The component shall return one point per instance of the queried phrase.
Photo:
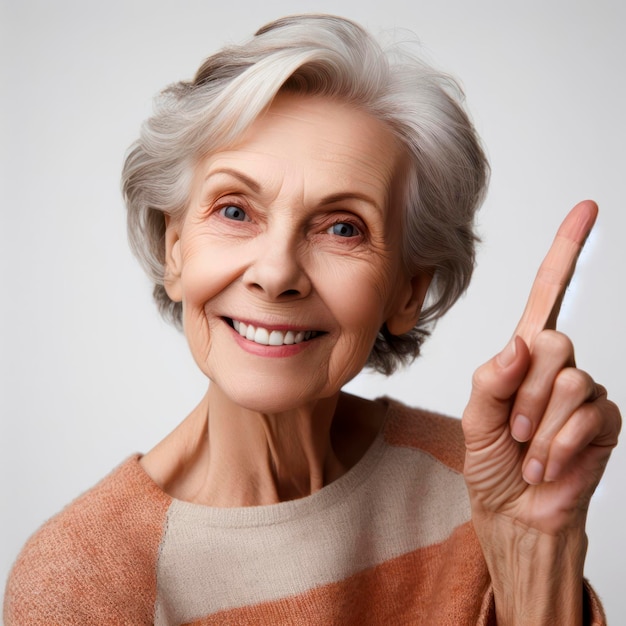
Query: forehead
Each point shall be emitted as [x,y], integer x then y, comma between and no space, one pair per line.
[317,142]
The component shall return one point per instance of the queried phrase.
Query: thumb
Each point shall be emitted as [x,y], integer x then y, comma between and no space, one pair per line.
[494,386]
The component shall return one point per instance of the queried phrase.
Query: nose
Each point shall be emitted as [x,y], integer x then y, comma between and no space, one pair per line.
[276,271]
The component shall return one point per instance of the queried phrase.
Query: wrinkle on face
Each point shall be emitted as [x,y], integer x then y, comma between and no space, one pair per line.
[307,164]
[337,164]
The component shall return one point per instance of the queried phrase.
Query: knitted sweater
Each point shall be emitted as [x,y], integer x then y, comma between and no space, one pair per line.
[390,543]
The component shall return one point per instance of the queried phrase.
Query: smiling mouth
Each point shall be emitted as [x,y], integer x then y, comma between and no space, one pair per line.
[266,337]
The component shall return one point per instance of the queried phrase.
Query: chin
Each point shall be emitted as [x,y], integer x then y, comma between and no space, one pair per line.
[272,396]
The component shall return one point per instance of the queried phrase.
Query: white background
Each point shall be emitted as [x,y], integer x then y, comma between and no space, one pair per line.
[90,374]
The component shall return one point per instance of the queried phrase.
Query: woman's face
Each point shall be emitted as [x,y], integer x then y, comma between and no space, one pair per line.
[287,260]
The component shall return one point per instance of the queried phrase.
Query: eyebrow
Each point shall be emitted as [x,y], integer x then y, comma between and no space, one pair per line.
[351,195]
[331,199]
[246,180]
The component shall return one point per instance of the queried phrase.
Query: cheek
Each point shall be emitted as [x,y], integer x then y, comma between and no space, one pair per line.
[357,293]
[359,313]
[207,270]
[360,310]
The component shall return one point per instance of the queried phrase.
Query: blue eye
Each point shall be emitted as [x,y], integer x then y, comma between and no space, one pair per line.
[343,229]
[232,212]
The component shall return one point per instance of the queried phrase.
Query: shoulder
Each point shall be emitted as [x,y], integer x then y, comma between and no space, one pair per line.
[80,566]
[439,435]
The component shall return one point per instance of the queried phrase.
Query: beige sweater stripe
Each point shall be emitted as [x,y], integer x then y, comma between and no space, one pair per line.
[389,505]
[445,596]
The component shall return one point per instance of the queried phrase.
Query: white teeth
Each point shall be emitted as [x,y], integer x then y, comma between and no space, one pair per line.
[272,338]
[276,338]
[262,336]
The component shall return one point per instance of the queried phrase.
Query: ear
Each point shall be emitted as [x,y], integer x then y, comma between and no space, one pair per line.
[409,304]
[173,260]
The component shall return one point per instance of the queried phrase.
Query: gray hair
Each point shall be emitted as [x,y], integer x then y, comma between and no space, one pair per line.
[445,179]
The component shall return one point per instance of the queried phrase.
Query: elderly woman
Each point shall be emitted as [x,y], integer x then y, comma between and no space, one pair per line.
[305,208]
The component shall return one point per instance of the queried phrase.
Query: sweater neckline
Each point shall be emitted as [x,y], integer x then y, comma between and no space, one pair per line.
[336,492]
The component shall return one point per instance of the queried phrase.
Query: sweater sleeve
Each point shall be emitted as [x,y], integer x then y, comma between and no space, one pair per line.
[594,613]
[95,562]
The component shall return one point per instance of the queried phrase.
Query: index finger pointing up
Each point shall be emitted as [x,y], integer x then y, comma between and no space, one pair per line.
[555,272]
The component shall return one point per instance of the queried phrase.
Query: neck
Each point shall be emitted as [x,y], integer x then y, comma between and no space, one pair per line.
[262,458]
[226,455]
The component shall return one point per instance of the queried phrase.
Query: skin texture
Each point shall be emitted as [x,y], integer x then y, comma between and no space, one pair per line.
[294,228]
[539,433]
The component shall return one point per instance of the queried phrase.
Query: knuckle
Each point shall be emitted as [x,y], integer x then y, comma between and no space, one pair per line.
[600,392]
[617,413]
[611,413]
[554,342]
[572,382]
[563,446]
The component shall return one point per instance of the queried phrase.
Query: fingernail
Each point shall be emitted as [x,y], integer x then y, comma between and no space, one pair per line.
[521,429]
[533,472]
[507,356]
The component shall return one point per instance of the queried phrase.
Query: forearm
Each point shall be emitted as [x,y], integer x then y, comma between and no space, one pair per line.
[536,578]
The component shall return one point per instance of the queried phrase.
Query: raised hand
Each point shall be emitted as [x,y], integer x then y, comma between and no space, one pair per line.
[538,434]
[538,430]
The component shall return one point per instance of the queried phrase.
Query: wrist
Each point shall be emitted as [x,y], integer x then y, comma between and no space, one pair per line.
[537,578]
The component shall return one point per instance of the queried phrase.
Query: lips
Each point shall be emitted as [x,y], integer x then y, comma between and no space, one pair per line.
[272,337]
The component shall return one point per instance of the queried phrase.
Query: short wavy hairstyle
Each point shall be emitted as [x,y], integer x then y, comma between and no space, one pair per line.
[445,180]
